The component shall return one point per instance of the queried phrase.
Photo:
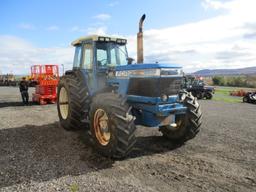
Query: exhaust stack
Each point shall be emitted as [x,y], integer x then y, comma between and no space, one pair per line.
[140,56]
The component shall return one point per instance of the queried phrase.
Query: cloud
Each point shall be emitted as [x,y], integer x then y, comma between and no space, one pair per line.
[214,4]
[102,16]
[93,30]
[114,3]
[78,29]
[207,38]
[75,29]
[223,41]
[52,28]
[26,26]
[17,55]
[97,30]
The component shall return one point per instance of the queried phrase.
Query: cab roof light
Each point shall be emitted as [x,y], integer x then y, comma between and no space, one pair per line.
[101,39]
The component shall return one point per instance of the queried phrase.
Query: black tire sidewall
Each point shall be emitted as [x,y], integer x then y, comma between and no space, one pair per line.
[184,133]
[199,95]
[208,95]
[64,122]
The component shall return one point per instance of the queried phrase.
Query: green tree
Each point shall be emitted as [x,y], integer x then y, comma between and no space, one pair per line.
[218,80]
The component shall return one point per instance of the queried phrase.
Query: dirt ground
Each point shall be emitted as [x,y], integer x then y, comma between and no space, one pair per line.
[37,155]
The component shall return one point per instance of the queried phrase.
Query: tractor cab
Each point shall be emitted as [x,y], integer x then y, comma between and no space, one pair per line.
[99,53]
[97,57]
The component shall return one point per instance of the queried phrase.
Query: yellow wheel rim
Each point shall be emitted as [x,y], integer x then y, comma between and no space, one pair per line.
[63,103]
[100,123]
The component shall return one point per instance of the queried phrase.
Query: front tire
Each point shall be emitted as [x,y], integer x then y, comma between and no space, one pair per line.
[111,125]
[188,125]
[199,95]
[208,95]
[245,99]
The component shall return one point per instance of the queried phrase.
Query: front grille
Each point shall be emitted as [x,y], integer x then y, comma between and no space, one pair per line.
[154,87]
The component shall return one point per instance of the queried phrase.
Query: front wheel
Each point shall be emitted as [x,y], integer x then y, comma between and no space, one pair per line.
[111,125]
[187,125]
[245,99]
[199,95]
[208,95]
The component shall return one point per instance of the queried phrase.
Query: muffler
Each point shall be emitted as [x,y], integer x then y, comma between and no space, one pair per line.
[140,57]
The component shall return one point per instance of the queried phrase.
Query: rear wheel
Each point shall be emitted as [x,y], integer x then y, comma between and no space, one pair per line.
[71,103]
[111,125]
[187,125]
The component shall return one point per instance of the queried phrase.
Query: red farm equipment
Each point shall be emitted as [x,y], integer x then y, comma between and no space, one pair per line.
[47,78]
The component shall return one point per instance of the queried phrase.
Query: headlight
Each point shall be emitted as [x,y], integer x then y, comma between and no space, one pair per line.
[101,38]
[149,72]
[135,73]
[167,72]
[164,97]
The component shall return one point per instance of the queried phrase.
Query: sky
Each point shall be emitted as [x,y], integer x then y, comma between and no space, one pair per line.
[197,34]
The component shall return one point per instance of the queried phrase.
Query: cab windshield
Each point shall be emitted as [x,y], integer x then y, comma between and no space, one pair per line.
[110,54]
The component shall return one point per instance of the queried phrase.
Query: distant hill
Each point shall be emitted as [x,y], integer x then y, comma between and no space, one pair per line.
[213,72]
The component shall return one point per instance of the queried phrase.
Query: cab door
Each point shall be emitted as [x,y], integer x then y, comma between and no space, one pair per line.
[86,66]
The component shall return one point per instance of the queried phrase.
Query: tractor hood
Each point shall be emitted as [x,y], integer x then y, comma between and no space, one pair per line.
[147,66]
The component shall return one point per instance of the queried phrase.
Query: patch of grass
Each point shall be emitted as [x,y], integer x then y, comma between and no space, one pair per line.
[74,187]
[223,94]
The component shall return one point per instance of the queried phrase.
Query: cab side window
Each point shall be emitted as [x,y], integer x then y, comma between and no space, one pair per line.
[102,58]
[87,57]
[77,57]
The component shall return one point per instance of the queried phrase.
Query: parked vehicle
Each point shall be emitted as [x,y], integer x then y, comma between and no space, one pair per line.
[198,88]
[109,94]
[8,80]
[250,97]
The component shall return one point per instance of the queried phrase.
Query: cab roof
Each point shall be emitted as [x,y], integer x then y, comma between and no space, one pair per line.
[98,38]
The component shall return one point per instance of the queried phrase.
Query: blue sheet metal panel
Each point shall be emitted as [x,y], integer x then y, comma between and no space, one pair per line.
[146,66]
[151,100]
[149,119]
[161,110]
[122,84]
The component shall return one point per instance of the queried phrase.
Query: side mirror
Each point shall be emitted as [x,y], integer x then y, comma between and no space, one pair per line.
[130,60]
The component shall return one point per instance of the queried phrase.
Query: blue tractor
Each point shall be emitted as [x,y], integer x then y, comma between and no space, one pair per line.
[107,93]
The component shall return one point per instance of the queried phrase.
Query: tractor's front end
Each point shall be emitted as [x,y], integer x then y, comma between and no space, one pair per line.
[153,90]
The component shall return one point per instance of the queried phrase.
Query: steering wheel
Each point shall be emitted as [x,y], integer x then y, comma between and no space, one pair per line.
[102,62]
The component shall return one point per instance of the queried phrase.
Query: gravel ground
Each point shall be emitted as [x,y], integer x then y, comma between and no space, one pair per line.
[37,155]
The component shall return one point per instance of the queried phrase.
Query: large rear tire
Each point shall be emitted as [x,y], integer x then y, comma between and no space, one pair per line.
[188,125]
[72,103]
[111,125]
